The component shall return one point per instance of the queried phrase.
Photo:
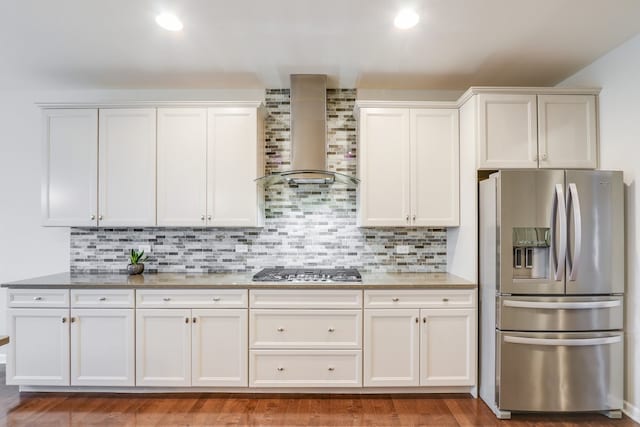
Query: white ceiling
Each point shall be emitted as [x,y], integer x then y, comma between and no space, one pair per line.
[258,43]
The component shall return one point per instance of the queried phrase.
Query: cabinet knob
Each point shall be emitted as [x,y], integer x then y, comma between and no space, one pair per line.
[100,217]
[280,329]
[37,298]
[64,320]
[331,368]
[407,218]
[414,218]
[424,320]
[166,299]
[395,299]
[216,298]
[209,217]
[201,217]
[544,156]
[280,368]
[92,217]
[194,319]
[103,298]
[332,330]
[186,320]
[417,320]
[445,299]
[73,319]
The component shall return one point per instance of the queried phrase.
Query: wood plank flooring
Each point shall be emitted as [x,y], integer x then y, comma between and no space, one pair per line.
[201,409]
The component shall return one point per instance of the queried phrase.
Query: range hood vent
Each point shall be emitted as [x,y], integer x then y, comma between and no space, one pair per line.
[308,136]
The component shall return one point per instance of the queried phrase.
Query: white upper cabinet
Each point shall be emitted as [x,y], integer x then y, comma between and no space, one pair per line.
[408,167]
[507,131]
[529,130]
[384,157]
[127,168]
[234,147]
[182,166]
[70,167]
[567,131]
[435,167]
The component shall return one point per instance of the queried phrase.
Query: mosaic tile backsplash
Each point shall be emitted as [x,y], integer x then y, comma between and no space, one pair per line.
[310,225]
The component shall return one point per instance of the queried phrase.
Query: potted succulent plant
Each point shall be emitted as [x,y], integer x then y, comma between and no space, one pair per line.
[136,262]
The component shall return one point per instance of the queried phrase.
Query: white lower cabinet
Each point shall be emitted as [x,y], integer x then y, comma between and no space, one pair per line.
[425,347]
[38,352]
[184,347]
[102,347]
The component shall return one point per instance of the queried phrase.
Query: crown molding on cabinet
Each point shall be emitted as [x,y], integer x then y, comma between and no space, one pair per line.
[150,104]
[474,90]
[405,104]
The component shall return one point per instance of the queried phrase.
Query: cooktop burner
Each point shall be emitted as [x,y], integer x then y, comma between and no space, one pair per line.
[307,275]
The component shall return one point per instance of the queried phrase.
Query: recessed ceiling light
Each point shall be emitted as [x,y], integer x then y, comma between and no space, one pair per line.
[405,19]
[169,22]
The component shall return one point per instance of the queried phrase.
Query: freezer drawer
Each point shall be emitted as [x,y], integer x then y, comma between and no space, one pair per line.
[559,313]
[559,371]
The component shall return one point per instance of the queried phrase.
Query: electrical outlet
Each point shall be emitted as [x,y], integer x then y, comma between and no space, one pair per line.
[242,248]
[145,248]
[402,249]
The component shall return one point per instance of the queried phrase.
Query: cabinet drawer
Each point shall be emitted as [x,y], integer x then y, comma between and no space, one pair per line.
[54,298]
[306,298]
[305,368]
[305,329]
[206,298]
[102,298]
[420,298]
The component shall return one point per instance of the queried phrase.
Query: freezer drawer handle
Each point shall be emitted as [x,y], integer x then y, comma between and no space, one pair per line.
[558,257]
[562,305]
[563,342]
[574,205]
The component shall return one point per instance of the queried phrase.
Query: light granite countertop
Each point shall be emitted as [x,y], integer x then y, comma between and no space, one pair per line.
[237,280]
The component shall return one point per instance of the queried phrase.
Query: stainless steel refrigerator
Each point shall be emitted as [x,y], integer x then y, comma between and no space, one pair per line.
[551,291]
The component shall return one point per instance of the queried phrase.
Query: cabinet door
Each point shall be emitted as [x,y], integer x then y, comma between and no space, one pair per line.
[391,346]
[70,167]
[127,153]
[434,167]
[182,166]
[384,167]
[219,355]
[163,347]
[447,347]
[38,352]
[567,131]
[507,131]
[232,158]
[102,347]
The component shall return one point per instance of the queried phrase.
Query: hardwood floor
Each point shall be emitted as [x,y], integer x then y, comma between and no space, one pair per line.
[200,409]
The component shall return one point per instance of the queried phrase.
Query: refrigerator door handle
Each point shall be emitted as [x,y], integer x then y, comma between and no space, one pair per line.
[574,205]
[572,342]
[562,305]
[558,209]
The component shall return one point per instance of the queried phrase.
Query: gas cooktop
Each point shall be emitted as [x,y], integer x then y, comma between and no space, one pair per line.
[307,275]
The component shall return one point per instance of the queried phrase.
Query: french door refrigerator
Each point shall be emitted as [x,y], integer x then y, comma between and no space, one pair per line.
[551,291]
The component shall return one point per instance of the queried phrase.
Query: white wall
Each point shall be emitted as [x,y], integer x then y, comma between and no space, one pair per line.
[618,73]
[26,248]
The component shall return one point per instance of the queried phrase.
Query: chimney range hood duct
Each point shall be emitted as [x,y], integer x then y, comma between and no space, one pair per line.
[308,136]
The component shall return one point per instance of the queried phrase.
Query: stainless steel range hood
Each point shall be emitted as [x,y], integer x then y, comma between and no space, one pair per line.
[308,136]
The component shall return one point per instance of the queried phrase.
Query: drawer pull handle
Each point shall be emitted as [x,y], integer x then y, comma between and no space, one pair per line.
[280,329]
[103,298]
[395,299]
[332,330]
[331,368]
[216,298]
[445,299]
[280,368]
[37,298]
[64,320]
[166,299]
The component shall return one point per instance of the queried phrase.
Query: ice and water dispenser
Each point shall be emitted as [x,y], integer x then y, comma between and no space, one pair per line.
[531,252]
